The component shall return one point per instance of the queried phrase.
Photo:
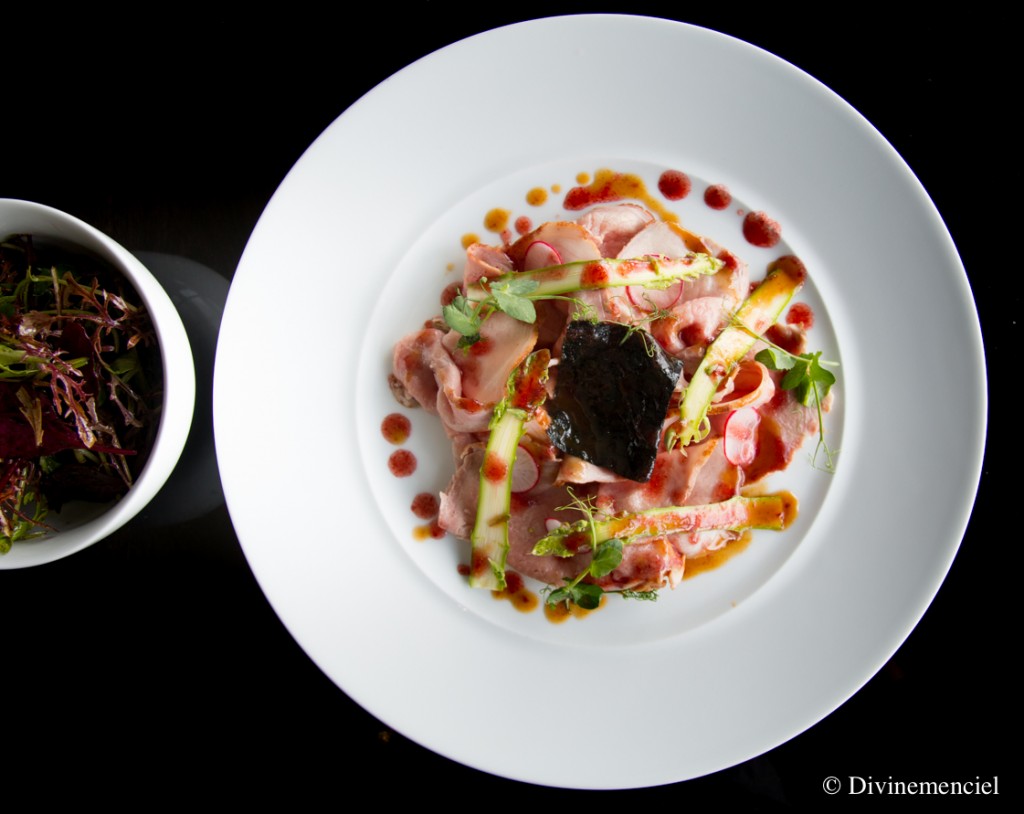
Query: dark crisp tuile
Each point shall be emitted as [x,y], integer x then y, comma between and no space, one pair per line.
[614,386]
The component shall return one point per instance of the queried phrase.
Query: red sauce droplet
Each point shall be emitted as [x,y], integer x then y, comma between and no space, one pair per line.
[529,390]
[396,428]
[436,531]
[523,225]
[402,463]
[481,347]
[717,196]
[760,230]
[496,220]
[594,274]
[494,469]
[463,569]
[425,505]
[674,185]
[801,315]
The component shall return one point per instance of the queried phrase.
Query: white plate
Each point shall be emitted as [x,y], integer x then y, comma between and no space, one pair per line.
[360,233]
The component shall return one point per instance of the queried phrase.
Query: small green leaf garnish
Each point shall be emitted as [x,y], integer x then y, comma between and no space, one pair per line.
[510,296]
[461,316]
[607,556]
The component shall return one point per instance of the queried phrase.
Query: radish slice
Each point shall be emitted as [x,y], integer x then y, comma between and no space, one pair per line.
[540,255]
[741,436]
[525,471]
[654,299]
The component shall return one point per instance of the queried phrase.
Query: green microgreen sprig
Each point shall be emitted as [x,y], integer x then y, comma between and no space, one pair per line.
[606,558]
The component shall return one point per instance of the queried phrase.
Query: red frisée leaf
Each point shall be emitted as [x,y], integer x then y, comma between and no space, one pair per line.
[79,383]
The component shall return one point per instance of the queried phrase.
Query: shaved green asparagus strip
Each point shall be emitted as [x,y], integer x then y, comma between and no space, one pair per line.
[524,395]
[583,275]
[736,514]
[755,316]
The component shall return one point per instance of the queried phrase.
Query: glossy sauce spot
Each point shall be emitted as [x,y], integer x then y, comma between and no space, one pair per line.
[800,315]
[496,220]
[402,463]
[717,196]
[674,185]
[425,505]
[396,428]
[537,196]
[761,231]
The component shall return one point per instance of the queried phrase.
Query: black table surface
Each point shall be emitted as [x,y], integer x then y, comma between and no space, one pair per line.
[152,662]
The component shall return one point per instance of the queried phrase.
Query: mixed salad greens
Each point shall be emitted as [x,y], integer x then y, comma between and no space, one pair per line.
[80,384]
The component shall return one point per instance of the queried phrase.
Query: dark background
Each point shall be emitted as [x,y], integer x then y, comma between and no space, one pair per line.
[152,663]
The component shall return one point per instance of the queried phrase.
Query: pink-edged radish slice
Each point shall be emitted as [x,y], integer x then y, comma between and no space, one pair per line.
[655,299]
[525,471]
[740,436]
[540,255]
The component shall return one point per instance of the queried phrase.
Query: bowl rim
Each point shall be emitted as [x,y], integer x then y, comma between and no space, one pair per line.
[27,217]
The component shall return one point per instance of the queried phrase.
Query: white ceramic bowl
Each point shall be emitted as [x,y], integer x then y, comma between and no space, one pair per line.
[78,526]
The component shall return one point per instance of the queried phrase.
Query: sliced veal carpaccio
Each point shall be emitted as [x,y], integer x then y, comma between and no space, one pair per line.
[749,385]
[486,364]
[429,374]
[411,365]
[455,382]
[484,261]
[570,241]
[646,566]
[528,523]
[693,322]
[785,425]
[678,480]
[614,226]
